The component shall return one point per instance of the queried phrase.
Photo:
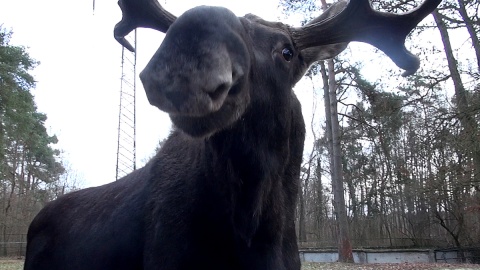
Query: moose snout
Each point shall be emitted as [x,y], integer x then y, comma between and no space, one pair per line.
[199,93]
[217,86]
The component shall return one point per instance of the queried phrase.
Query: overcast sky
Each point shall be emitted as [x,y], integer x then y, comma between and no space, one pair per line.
[78,79]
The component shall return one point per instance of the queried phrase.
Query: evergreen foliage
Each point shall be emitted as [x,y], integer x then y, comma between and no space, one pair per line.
[30,166]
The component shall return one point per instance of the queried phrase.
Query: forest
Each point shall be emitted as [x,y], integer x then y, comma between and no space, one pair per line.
[32,171]
[405,152]
[393,162]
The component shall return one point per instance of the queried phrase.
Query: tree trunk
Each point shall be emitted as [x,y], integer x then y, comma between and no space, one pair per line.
[344,245]
[302,237]
[333,137]
[469,24]
[319,206]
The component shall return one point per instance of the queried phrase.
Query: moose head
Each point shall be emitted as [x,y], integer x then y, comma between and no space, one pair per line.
[212,64]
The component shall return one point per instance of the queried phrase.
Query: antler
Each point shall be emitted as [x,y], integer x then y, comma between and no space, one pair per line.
[359,22]
[141,13]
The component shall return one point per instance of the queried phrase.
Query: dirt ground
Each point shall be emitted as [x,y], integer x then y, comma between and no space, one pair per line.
[18,265]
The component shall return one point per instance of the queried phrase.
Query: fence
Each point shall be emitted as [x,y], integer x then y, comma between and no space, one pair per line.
[15,246]
[458,255]
[379,243]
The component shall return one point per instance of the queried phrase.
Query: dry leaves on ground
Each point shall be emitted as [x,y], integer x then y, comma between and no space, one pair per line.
[388,266]
[18,265]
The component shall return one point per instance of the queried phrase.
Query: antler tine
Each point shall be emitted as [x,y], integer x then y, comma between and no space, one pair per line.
[359,22]
[141,13]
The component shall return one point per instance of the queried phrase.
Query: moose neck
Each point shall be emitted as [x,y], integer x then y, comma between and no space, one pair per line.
[248,159]
[258,142]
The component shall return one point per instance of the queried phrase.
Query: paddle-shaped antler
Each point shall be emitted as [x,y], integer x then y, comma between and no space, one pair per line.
[141,13]
[359,22]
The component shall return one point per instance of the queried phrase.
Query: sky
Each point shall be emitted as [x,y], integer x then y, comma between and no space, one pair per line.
[78,78]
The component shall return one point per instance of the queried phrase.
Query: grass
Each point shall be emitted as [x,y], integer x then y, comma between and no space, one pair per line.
[11,264]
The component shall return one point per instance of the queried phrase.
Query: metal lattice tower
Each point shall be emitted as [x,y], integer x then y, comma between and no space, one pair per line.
[126,147]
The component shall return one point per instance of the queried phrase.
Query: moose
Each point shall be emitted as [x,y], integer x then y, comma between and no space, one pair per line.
[221,192]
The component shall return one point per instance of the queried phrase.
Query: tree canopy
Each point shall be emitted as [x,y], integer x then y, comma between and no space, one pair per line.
[30,165]
[410,147]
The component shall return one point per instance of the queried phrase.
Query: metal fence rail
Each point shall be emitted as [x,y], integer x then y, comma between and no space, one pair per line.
[458,255]
[13,249]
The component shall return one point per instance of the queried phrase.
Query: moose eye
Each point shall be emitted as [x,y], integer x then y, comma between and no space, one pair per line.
[287,54]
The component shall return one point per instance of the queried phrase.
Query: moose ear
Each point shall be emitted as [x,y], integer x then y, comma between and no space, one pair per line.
[313,54]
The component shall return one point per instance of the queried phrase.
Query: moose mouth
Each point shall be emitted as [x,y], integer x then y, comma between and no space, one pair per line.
[193,103]
[199,114]
[181,101]
[199,94]
[231,109]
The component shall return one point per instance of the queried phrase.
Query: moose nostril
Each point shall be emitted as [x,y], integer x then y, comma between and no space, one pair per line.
[219,91]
